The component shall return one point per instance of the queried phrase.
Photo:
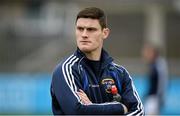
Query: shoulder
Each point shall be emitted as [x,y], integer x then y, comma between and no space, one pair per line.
[120,68]
[70,61]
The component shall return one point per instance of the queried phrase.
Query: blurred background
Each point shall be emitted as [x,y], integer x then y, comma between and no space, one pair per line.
[36,34]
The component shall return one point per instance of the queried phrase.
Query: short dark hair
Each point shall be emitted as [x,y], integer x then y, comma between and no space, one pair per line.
[93,13]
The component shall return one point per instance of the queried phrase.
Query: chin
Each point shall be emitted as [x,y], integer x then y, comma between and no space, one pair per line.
[85,49]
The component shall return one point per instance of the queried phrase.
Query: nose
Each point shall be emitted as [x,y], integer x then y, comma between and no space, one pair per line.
[84,33]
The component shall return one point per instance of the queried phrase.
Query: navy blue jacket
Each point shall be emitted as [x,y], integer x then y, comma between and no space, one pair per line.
[73,73]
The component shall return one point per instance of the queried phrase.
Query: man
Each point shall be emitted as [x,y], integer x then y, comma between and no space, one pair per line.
[82,83]
[157,78]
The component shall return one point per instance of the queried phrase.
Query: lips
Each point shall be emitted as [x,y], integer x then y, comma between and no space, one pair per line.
[85,42]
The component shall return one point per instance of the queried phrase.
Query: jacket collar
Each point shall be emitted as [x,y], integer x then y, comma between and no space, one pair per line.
[105,58]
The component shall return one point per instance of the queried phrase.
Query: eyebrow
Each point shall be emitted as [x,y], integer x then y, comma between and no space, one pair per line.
[84,27]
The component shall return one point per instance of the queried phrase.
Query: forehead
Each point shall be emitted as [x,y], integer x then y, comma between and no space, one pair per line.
[88,22]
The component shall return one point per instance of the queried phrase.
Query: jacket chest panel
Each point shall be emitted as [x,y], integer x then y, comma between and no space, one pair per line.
[98,88]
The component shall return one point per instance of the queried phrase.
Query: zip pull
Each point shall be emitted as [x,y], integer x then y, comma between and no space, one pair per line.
[116,95]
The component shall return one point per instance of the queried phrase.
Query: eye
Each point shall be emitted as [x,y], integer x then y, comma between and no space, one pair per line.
[91,29]
[80,28]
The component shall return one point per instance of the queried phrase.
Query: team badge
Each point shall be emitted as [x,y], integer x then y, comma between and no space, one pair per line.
[107,83]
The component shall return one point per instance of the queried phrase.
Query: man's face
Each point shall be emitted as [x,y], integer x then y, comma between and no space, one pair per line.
[148,53]
[90,35]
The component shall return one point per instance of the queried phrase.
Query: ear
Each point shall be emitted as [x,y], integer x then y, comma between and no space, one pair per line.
[106,32]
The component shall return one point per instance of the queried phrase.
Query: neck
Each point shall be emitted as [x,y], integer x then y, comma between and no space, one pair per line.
[94,55]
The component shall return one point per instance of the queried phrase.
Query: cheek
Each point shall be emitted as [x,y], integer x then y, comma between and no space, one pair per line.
[76,33]
[99,39]
[97,43]
[77,36]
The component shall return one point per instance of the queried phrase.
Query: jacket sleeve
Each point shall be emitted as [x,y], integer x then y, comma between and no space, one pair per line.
[66,101]
[130,96]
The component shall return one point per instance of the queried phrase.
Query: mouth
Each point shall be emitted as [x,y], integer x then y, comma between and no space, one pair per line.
[85,42]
